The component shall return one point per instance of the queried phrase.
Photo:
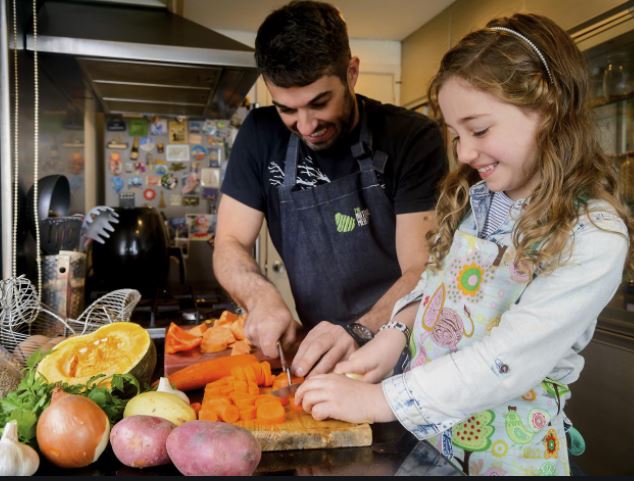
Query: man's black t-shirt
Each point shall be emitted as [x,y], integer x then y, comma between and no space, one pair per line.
[416,160]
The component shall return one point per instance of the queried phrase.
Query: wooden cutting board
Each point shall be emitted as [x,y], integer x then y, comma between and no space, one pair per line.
[301,431]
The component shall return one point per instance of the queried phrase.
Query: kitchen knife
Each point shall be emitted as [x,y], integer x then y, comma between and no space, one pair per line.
[290,389]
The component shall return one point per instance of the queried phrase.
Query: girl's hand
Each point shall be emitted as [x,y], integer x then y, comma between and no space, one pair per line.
[338,397]
[376,359]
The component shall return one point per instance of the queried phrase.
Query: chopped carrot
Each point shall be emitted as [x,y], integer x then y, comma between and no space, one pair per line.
[240,386]
[270,412]
[199,330]
[216,339]
[253,388]
[237,330]
[198,375]
[240,347]
[229,413]
[178,339]
[208,414]
[266,371]
[244,403]
[295,407]
[227,317]
[247,413]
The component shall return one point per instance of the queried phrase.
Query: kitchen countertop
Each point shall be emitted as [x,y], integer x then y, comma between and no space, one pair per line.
[394,452]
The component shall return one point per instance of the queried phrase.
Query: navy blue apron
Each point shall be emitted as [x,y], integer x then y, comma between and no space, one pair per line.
[338,239]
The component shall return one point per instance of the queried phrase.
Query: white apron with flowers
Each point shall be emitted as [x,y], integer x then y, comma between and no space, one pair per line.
[462,303]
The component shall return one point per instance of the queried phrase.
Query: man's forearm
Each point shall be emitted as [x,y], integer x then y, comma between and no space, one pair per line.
[382,310]
[238,273]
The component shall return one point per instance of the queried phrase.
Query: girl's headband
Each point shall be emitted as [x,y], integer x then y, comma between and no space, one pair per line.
[531,44]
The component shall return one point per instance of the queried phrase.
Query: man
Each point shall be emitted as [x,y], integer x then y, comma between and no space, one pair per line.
[347,186]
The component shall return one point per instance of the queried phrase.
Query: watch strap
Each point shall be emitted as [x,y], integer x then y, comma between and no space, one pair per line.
[399,326]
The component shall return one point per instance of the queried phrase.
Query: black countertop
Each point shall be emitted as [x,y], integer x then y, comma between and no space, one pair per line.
[394,451]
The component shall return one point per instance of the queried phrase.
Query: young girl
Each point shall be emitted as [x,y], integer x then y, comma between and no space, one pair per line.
[531,245]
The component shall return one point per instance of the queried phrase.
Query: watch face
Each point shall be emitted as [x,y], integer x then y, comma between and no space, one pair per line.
[362,332]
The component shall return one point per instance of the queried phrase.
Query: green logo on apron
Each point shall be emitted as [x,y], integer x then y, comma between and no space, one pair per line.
[344,223]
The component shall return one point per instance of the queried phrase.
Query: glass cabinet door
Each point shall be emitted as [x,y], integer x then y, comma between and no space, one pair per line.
[611,67]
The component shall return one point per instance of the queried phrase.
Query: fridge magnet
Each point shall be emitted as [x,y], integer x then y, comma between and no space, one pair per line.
[134,151]
[216,154]
[190,183]
[190,200]
[127,200]
[149,194]
[209,127]
[210,177]
[195,167]
[176,166]
[152,180]
[115,163]
[198,152]
[129,167]
[158,127]
[179,227]
[200,226]
[116,144]
[137,127]
[140,167]
[117,184]
[195,126]
[169,181]
[160,169]
[149,159]
[115,124]
[177,153]
[76,163]
[135,182]
[162,201]
[176,200]
[210,193]
[195,139]
[146,144]
[160,147]
[177,132]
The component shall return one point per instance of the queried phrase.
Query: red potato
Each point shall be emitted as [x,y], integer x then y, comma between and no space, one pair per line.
[206,448]
[139,441]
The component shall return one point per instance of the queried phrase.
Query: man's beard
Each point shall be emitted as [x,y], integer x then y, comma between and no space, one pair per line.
[343,125]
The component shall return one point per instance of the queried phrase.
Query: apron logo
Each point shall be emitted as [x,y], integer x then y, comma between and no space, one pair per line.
[346,223]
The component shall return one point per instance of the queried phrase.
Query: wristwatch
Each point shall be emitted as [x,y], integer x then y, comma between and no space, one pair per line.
[399,326]
[359,333]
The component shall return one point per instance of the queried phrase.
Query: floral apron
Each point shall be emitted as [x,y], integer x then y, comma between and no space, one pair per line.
[461,304]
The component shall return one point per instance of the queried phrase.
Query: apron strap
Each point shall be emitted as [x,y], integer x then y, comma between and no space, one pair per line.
[290,162]
[362,151]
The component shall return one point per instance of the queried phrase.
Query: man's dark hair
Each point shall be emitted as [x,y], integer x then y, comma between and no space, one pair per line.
[301,42]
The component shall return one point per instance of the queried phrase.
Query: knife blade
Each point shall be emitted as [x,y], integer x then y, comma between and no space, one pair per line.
[285,367]
[290,389]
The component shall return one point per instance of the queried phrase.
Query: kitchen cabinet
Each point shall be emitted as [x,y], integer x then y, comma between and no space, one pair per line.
[422,50]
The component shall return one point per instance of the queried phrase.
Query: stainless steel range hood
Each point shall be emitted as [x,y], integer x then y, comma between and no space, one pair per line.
[144,59]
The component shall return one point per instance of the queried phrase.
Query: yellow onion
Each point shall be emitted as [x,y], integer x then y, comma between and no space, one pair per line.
[72,431]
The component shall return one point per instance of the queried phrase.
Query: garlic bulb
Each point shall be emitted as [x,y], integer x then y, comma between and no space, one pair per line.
[165,386]
[16,459]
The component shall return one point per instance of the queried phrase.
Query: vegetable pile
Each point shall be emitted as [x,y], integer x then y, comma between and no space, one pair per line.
[210,336]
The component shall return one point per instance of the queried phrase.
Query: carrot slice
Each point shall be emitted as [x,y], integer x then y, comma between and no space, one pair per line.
[247,413]
[208,414]
[229,413]
[295,407]
[266,371]
[270,412]
[253,388]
